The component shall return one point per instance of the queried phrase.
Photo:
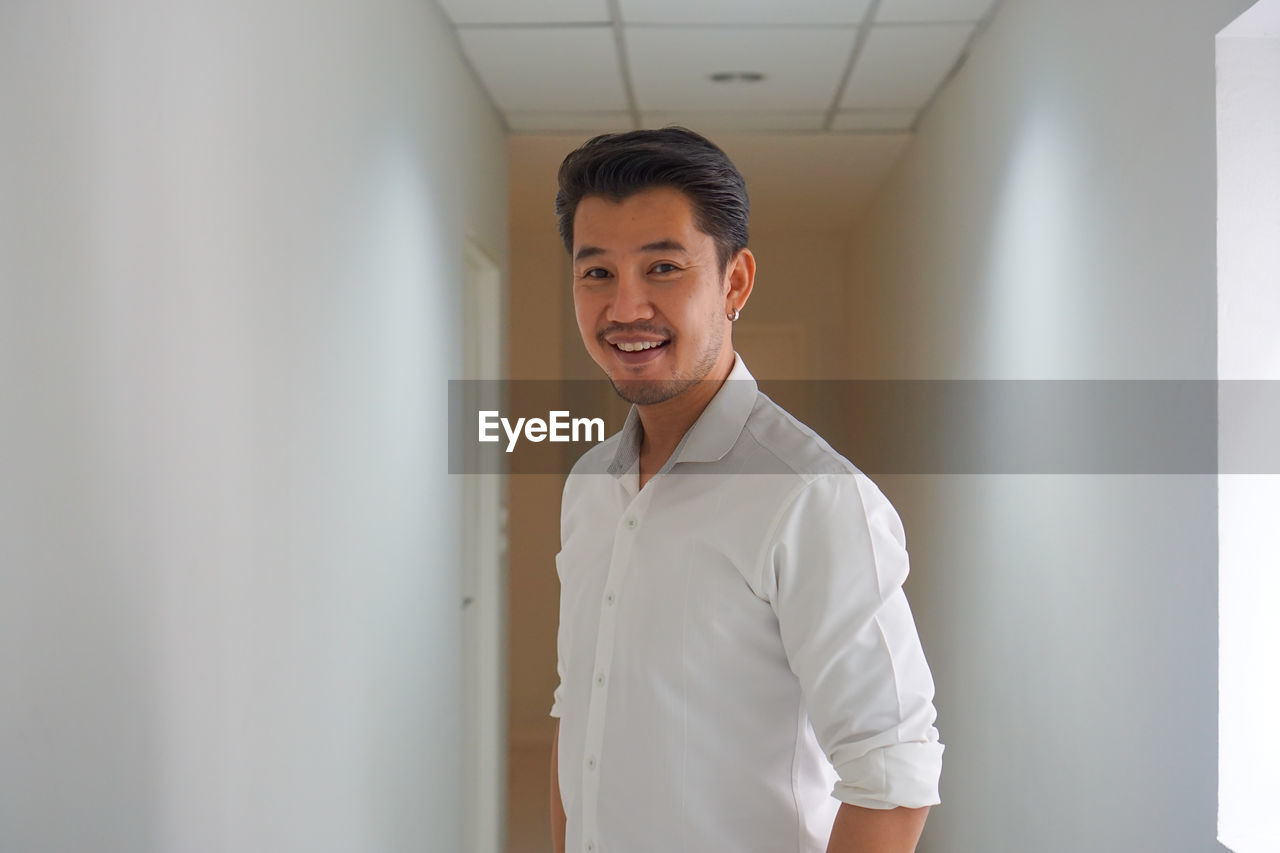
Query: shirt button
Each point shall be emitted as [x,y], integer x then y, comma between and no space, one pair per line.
[590,846]
[591,762]
[599,679]
[631,523]
[608,598]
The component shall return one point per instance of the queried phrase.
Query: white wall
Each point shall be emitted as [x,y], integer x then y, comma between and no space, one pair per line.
[1248,59]
[230,252]
[1055,218]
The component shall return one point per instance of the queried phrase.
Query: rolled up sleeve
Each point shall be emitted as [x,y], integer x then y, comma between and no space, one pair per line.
[835,564]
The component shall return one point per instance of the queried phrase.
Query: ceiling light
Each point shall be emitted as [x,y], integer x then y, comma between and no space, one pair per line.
[735,77]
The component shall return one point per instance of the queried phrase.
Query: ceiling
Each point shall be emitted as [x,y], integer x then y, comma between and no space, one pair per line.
[828,66]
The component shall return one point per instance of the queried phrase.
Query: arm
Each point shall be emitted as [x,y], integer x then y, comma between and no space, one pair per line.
[859,830]
[557,807]
[834,574]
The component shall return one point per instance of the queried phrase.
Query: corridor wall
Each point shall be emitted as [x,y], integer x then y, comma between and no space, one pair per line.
[231,245]
[1054,218]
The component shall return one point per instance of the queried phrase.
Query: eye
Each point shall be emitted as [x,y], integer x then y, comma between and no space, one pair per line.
[663,267]
[592,273]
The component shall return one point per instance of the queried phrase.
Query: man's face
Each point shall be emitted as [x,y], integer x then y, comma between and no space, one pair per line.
[649,295]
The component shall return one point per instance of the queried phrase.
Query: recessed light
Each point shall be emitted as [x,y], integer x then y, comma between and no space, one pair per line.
[735,77]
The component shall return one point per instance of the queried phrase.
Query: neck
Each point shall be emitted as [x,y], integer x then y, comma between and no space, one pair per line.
[666,423]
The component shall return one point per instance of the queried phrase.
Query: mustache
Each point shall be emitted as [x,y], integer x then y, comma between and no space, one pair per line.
[634,328]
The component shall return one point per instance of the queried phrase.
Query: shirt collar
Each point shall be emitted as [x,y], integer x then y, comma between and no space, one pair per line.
[712,435]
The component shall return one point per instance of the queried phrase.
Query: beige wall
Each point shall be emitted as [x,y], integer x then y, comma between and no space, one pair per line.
[536,347]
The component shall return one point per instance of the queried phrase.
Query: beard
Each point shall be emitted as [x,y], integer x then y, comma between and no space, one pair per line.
[646,392]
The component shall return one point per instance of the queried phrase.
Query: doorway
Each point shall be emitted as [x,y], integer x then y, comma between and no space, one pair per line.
[483,577]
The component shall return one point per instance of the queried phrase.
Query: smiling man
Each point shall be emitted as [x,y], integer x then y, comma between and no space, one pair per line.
[739,668]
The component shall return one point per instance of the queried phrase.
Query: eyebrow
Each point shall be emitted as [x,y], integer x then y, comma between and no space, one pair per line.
[664,245]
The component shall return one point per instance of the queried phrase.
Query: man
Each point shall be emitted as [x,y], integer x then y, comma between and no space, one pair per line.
[739,669]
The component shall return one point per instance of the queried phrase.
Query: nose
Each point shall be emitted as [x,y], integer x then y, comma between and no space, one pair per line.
[630,301]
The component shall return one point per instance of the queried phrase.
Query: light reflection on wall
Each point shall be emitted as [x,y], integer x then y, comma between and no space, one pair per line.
[1029,322]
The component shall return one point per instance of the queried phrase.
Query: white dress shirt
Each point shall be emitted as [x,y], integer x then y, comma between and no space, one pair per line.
[736,655]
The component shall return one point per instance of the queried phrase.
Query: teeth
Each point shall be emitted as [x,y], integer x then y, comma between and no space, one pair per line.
[638,347]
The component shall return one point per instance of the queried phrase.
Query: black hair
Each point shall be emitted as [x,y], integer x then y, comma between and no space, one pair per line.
[617,165]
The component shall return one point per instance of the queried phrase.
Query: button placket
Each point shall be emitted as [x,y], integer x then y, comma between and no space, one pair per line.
[619,563]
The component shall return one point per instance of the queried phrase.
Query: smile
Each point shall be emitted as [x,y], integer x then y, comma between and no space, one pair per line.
[638,354]
[638,346]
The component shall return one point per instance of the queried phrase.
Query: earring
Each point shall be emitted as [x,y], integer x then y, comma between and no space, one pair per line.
[733,315]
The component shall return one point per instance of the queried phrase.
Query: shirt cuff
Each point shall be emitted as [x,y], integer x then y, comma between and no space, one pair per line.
[901,774]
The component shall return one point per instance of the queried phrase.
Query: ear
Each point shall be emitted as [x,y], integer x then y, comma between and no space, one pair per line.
[741,277]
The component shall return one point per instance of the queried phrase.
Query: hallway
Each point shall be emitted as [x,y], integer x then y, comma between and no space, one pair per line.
[235,563]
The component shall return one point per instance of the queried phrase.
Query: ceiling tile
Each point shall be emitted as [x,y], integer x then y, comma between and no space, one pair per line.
[548,121]
[802,67]
[921,11]
[524,12]
[731,12]
[737,120]
[874,120]
[571,68]
[901,67]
